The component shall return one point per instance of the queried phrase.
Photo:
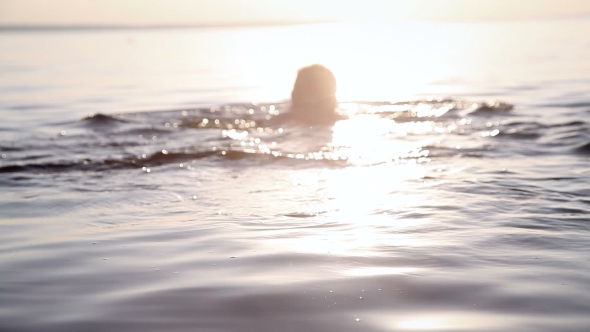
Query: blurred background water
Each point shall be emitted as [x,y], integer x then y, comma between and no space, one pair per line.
[146,185]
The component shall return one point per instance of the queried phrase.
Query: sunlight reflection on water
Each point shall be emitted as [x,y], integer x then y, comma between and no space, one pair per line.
[379,271]
[422,325]
[353,196]
[366,140]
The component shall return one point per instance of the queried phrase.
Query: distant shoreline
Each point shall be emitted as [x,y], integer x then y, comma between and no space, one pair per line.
[145,27]
[48,27]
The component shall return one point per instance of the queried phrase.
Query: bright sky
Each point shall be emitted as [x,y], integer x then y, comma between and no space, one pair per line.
[166,12]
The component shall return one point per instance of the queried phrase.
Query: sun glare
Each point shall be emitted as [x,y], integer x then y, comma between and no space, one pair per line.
[422,324]
[379,271]
[354,195]
[371,61]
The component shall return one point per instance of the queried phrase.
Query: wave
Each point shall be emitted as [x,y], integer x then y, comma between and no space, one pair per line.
[221,123]
[571,130]
[5,148]
[582,104]
[435,108]
[165,157]
[100,119]
[525,134]
[32,107]
[547,126]
[248,116]
[119,141]
[491,106]
[568,124]
[583,149]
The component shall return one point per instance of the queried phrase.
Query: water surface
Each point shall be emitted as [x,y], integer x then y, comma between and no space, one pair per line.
[147,186]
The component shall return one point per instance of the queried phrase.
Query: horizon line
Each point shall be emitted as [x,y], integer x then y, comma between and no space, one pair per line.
[106,26]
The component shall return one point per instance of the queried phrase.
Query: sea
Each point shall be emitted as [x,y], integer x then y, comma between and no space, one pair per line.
[146,183]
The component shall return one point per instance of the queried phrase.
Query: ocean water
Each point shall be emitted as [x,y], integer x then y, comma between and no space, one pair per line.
[146,184]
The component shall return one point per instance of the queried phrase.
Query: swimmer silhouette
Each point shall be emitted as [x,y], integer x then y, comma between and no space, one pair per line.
[313,99]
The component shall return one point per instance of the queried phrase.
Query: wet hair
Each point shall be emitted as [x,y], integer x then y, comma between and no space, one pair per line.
[314,91]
